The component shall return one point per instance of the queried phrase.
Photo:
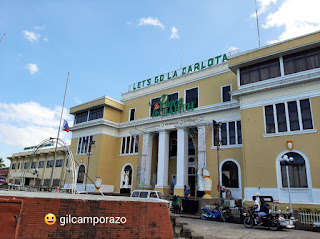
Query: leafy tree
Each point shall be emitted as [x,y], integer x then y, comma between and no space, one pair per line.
[2,164]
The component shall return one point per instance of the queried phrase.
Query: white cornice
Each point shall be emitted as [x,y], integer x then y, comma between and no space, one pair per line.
[282,81]
[280,99]
[152,120]
[272,45]
[97,99]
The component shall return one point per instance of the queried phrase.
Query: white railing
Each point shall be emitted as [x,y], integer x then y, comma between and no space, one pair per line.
[235,212]
[307,218]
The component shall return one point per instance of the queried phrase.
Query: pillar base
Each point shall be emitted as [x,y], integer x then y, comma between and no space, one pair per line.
[178,192]
[166,191]
[207,195]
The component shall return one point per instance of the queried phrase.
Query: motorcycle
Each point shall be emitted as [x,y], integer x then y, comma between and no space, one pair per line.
[215,215]
[226,212]
[270,220]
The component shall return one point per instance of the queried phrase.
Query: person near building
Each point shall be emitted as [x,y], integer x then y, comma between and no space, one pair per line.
[172,187]
[257,209]
[176,204]
[186,191]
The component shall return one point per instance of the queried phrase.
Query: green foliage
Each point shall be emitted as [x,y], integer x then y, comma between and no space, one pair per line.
[2,163]
[309,210]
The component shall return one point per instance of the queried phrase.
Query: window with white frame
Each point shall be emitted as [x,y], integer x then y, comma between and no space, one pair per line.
[228,135]
[192,96]
[26,165]
[81,117]
[92,114]
[130,144]
[297,171]
[154,105]
[83,144]
[81,173]
[59,163]
[225,93]
[132,114]
[288,117]
[96,113]
[33,164]
[41,164]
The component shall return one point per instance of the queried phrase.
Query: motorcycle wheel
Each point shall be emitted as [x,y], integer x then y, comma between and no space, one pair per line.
[248,222]
[273,224]
[203,216]
[222,218]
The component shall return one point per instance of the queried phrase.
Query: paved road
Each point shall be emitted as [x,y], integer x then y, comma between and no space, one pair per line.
[217,230]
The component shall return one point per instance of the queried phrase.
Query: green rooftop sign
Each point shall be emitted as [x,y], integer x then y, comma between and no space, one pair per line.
[180,72]
[34,147]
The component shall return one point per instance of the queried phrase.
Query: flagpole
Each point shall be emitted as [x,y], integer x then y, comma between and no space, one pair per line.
[255,2]
[55,151]
[2,37]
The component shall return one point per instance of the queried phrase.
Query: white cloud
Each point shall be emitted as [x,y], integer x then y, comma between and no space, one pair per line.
[233,49]
[39,28]
[296,17]
[45,39]
[264,4]
[174,33]
[33,68]
[77,100]
[29,123]
[150,21]
[31,36]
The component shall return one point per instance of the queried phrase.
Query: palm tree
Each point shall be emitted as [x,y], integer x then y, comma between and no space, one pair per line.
[2,163]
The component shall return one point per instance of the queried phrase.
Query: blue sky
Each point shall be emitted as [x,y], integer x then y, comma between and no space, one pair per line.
[108,45]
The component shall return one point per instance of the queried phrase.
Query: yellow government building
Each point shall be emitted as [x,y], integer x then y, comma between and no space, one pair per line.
[260,106]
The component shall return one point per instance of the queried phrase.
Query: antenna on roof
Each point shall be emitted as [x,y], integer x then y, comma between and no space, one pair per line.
[2,37]
[181,61]
[255,1]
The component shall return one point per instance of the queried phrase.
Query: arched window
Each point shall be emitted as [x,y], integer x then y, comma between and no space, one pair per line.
[297,171]
[230,177]
[126,177]
[81,172]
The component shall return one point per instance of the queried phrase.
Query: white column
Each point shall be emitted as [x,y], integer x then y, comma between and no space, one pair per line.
[281,66]
[201,154]
[182,158]
[163,160]
[146,158]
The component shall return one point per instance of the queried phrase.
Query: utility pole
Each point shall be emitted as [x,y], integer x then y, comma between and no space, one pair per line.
[217,126]
[89,153]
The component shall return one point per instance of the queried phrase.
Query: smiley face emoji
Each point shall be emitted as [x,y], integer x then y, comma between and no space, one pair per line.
[50,219]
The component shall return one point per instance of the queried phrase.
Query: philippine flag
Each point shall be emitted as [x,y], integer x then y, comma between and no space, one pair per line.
[65,126]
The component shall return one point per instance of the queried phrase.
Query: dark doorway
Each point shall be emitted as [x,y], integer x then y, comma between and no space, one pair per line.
[27,182]
[192,185]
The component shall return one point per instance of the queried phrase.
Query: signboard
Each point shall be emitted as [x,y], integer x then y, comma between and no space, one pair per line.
[2,180]
[165,107]
[180,72]
[34,147]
